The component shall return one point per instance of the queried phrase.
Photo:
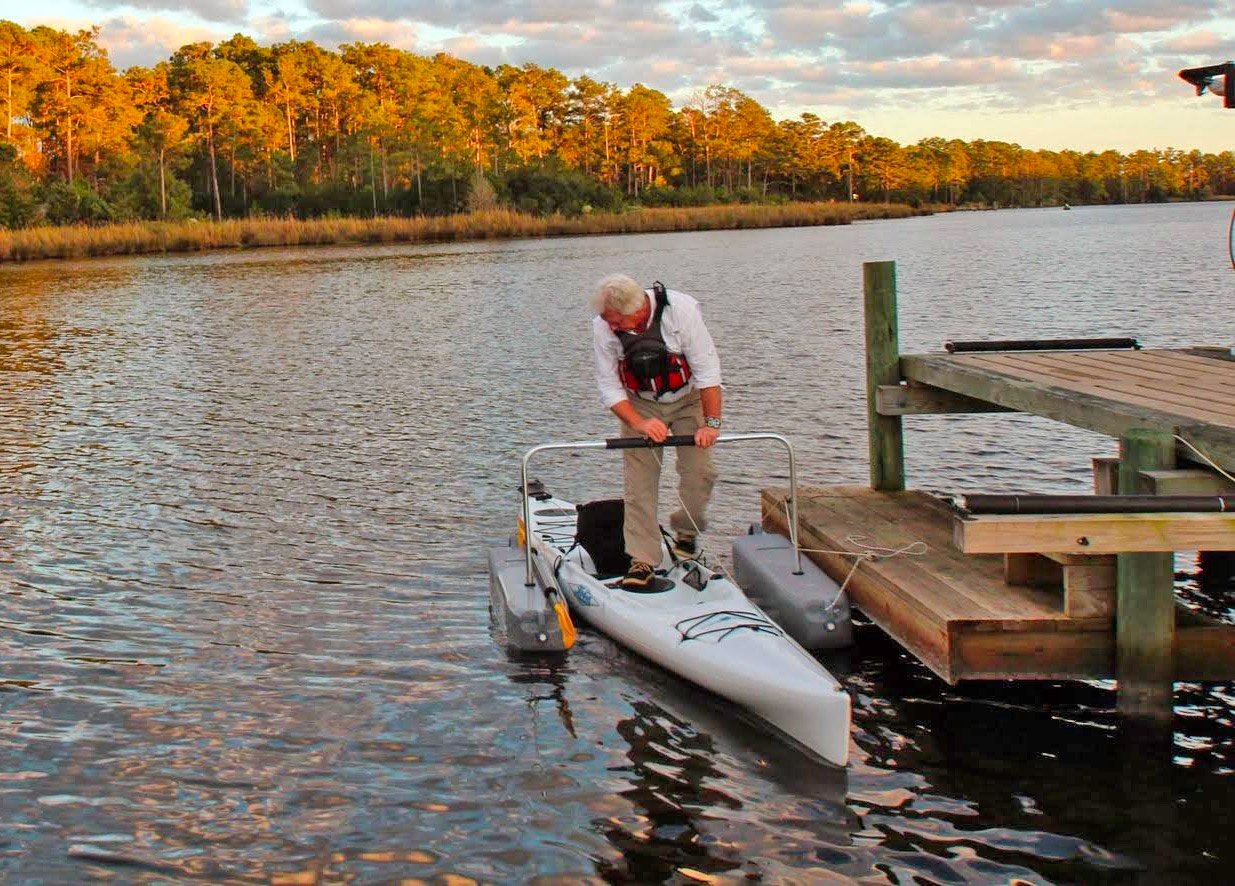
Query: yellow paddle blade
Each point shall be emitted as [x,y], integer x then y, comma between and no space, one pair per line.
[569,633]
[522,533]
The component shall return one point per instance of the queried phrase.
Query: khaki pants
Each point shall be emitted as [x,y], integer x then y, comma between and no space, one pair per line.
[696,477]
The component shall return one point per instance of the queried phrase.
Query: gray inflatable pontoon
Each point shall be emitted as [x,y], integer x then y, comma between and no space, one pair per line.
[805,601]
[522,610]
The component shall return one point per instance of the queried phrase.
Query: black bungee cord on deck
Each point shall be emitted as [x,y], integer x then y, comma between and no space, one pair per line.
[698,626]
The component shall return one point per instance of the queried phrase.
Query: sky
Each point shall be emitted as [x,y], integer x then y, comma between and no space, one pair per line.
[1052,74]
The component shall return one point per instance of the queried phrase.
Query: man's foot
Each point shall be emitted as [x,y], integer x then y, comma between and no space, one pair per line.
[639,575]
[685,547]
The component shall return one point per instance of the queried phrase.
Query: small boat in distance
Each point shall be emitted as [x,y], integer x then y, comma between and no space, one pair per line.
[1067,206]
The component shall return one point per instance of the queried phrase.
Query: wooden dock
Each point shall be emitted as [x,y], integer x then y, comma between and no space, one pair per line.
[1189,392]
[1038,597]
[984,616]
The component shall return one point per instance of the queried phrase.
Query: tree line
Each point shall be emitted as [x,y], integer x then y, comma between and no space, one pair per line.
[235,129]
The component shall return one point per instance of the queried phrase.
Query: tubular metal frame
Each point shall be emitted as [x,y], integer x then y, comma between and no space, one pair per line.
[604,444]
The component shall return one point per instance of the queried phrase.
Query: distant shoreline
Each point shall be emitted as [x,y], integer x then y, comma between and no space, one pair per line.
[147,238]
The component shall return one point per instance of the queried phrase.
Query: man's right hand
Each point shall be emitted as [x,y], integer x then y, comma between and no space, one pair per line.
[654,429]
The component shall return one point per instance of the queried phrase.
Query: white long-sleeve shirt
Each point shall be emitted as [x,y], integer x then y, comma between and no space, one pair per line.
[682,327]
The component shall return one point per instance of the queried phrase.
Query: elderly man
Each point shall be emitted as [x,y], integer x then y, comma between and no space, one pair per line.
[659,372]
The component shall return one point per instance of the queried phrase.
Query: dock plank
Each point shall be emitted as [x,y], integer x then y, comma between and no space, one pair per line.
[1095,533]
[1118,390]
[1081,405]
[960,616]
[956,585]
[1178,362]
[909,620]
[932,524]
[1141,373]
[1157,375]
[1035,654]
[866,527]
[1214,395]
[1059,400]
[1196,362]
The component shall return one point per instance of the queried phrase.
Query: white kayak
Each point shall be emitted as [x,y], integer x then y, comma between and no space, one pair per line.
[701,626]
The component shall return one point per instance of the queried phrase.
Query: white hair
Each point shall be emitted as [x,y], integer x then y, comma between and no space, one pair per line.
[619,293]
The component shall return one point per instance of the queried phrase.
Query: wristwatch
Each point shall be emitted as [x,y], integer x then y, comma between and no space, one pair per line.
[712,422]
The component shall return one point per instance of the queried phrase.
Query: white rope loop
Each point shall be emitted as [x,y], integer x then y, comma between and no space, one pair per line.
[1209,461]
[868,552]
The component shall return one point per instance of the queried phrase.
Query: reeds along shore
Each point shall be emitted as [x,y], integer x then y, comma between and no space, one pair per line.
[133,238]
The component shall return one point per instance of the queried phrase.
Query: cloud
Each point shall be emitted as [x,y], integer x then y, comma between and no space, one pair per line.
[932,73]
[813,24]
[700,13]
[332,34]
[1135,23]
[778,67]
[463,15]
[273,28]
[146,41]
[1199,42]
[233,11]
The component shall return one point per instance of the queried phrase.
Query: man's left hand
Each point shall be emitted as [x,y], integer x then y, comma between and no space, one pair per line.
[705,437]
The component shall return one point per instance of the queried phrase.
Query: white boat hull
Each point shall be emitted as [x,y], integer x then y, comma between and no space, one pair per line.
[704,629]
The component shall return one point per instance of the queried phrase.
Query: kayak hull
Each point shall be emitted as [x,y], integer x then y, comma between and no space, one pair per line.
[701,626]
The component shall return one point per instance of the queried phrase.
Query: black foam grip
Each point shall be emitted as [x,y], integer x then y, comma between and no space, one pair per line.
[645,443]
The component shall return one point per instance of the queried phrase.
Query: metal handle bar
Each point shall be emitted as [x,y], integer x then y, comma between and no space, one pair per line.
[678,440]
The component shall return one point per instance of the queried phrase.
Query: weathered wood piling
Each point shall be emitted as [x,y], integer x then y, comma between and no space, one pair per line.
[886,439]
[1145,584]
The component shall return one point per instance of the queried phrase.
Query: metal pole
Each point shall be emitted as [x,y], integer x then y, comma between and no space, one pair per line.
[607,444]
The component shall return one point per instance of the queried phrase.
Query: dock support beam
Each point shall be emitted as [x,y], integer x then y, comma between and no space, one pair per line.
[1145,582]
[885,433]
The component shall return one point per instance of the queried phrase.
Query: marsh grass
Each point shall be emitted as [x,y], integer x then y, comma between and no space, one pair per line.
[133,238]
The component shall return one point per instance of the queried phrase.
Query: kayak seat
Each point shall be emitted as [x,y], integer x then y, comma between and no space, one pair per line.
[598,530]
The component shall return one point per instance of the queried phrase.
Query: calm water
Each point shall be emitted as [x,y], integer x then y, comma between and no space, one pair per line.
[244,633]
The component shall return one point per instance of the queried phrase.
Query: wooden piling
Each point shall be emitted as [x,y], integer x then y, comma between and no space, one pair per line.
[885,433]
[1145,582]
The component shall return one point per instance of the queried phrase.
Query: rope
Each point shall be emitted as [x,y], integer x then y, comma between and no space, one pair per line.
[1207,459]
[658,454]
[869,553]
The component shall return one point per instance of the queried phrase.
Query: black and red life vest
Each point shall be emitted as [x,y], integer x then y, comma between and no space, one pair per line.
[647,364]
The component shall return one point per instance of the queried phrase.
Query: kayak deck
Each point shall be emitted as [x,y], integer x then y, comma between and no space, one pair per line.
[698,624]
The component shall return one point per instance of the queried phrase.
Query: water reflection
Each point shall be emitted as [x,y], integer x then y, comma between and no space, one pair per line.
[667,784]
[244,634]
